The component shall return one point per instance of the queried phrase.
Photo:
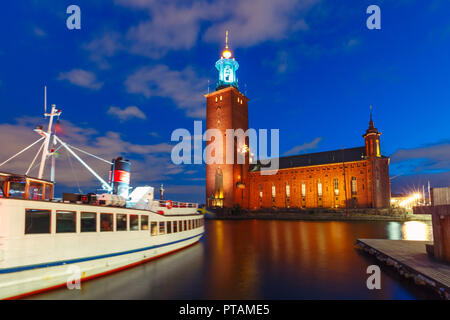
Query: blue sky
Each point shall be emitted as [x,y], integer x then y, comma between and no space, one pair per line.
[138,69]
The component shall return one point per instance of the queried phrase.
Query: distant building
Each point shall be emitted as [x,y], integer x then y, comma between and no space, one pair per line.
[354,178]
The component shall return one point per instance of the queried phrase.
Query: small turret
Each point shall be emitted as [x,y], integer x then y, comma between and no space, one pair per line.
[372,139]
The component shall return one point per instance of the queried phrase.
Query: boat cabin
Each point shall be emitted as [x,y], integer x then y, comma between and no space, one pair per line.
[24,187]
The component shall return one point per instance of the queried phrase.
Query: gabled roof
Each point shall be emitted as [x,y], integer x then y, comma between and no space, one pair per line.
[319,158]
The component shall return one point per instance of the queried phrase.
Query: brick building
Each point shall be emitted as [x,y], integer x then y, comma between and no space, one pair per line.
[354,178]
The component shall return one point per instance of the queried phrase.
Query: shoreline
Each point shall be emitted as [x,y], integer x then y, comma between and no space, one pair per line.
[290,216]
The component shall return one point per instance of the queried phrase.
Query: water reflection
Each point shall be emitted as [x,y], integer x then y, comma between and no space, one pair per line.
[410,230]
[257,259]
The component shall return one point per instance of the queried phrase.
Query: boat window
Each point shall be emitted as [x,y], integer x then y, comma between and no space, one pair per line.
[37,221]
[180,225]
[17,188]
[169,227]
[48,192]
[134,222]
[162,228]
[185,225]
[2,186]
[65,221]
[154,228]
[144,222]
[121,222]
[88,222]
[106,222]
[35,191]
[175,226]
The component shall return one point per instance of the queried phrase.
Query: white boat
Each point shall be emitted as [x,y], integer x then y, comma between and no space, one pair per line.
[47,243]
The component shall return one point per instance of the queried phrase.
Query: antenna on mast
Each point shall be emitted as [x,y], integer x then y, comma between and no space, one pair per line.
[45,100]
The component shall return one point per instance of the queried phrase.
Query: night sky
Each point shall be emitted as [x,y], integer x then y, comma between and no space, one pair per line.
[138,69]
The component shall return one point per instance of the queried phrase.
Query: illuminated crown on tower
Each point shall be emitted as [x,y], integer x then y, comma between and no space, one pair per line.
[227,67]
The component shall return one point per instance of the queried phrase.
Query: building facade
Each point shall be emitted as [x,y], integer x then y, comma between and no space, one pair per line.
[347,178]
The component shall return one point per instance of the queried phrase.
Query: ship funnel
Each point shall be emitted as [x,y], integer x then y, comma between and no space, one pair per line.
[119,177]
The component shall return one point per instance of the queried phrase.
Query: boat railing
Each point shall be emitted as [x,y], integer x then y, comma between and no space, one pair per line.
[177,204]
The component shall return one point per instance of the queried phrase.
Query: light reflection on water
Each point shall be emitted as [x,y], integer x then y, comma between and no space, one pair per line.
[410,230]
[256,259]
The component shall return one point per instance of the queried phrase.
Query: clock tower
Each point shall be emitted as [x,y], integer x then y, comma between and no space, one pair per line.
[227,108]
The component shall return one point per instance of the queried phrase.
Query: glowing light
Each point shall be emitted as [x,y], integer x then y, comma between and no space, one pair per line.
[226,54]
[407,202]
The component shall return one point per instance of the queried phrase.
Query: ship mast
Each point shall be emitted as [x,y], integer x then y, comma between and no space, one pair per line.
[51,137]
[48,136]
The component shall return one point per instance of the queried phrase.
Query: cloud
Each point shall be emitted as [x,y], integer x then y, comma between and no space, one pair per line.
[81,78]
[39,32]
[430,158]
[303,147]
[105,46]
[183,87]
[127,113]
[415,182]
[179,24]
[254,22]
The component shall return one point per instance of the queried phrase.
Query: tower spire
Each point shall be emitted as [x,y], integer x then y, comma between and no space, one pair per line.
[227,67]
[226,39]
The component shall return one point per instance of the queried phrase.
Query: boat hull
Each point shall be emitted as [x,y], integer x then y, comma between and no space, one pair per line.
[32,263]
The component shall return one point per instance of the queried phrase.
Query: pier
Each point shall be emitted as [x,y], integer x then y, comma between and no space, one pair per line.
[411,260]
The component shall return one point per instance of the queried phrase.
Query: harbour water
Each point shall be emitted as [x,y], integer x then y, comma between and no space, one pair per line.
[259,259]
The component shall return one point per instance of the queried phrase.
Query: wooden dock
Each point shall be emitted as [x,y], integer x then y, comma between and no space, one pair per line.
[411,260]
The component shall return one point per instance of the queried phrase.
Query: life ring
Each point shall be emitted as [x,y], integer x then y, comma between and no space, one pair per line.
[169,204]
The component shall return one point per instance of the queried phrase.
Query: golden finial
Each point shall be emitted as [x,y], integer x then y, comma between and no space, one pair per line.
[226,53]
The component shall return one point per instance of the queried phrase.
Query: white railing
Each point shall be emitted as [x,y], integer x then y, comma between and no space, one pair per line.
[177,204]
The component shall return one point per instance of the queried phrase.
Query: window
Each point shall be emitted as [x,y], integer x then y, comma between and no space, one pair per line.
[121,222]
[17,188]
[185,225]
[37,221]
[260,192]
[162,228]
[180,225]
[88,222]
[66,221]
[319,188]
[169,226]
[303,189]
[48,192]
[288,190]
[153,228]
[273,191]
[175,226]
[134,222]
[106,222]
[144,222]
[35,191]
[354,185]
[336,186]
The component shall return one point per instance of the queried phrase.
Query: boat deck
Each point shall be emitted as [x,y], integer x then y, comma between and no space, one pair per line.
[410,258]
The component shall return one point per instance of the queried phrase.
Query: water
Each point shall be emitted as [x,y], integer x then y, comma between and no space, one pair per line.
[255,259]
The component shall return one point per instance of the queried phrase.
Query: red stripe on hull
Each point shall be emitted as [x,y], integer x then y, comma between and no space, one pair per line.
[98,274]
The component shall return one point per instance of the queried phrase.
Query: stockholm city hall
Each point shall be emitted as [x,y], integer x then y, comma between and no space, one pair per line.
[345,178]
